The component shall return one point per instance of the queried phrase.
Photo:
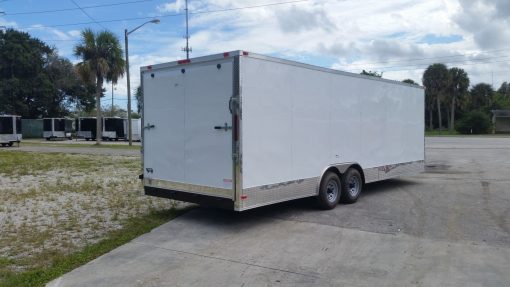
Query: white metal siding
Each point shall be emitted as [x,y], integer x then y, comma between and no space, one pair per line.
[297,121]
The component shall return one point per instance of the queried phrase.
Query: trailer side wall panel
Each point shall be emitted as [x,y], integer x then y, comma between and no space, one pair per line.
[297,120]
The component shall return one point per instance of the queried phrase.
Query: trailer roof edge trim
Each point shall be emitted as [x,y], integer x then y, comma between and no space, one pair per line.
[225,55]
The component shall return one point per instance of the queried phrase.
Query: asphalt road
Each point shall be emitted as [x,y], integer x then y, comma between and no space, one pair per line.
[447,227]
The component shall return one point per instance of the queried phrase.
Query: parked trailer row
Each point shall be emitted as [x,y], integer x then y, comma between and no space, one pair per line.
[113,128]
[240,130]
[10,130]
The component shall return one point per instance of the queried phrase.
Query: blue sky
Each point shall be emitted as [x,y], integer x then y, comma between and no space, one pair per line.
[399,38]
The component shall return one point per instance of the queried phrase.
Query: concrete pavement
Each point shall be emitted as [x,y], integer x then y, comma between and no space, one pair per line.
[447,227]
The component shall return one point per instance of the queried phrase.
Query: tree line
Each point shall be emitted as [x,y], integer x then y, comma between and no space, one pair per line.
[449,96]
[36,82]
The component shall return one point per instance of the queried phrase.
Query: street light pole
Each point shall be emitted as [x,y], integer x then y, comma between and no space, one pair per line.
[126,34]
[128,87]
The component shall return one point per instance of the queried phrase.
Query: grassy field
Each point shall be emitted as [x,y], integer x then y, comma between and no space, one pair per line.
[80,145]
[441,133]
[59,211]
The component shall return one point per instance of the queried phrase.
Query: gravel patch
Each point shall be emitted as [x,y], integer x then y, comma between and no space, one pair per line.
[64,209]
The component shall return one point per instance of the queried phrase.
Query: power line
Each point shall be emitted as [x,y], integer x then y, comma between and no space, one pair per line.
[88,15]
[461,65]
[465,61]
[430,58]
[165,15]
[117,99]
[73,9]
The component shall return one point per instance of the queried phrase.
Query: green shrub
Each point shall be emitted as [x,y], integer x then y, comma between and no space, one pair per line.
[474,122]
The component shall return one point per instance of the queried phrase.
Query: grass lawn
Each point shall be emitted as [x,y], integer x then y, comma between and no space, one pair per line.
[80,145]
[59,211]
[436,133]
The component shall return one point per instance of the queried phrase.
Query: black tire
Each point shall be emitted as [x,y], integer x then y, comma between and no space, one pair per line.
[10,143]
[87,139]
[4,144]
[352,185]
[329,191]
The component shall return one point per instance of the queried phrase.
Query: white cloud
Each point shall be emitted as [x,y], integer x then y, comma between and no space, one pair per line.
[176,6]
[74,33]
[5,23]
[386,36]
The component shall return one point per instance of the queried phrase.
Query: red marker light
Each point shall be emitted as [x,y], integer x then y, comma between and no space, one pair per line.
[149,67]
[226,54]
[243,197]
[245,53]
[181,62]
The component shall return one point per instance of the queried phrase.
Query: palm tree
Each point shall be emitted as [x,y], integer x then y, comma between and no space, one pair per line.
[435,80]
[102,60]
[459,84]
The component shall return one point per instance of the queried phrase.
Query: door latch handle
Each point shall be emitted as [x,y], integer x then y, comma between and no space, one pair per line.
[149,126]
[225,127]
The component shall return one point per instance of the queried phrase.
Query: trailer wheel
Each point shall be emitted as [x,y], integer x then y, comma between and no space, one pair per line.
[10,143]
[329,191]
[4,144]
[352,184]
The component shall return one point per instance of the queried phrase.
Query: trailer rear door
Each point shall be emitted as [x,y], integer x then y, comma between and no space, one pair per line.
[187,126]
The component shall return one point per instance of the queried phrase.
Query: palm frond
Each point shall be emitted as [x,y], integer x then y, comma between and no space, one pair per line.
[102,56]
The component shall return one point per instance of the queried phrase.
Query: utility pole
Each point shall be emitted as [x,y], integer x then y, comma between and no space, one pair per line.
[112,98]
[187,49]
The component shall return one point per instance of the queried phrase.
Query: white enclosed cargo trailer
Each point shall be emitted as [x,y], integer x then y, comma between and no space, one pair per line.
[136,130]
[114,128]
[57,128]
[240,130]
[10,130]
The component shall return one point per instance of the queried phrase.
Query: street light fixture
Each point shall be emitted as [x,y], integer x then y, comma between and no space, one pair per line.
[126,34]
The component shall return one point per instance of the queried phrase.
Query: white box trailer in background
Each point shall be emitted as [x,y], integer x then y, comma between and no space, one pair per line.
[10,130]
[114,128]
[136,129]
[240,130]
[86,128]
[57,128]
